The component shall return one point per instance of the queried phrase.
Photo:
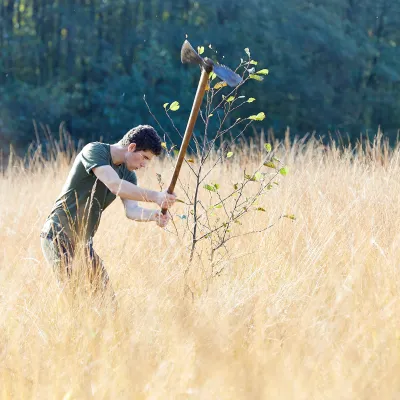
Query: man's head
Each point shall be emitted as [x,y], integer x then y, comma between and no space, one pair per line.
[142,144]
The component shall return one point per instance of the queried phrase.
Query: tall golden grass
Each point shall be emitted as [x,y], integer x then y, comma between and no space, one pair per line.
[309,309]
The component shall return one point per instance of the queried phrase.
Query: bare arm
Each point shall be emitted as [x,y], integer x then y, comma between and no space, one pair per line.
[135,212]
[129,191]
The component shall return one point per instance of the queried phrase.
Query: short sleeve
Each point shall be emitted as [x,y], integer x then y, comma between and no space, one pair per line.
[95,155]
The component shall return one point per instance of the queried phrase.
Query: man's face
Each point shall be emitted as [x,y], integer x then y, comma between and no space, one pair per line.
[135,160]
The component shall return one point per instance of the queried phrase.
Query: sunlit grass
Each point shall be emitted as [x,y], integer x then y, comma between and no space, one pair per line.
[307,309]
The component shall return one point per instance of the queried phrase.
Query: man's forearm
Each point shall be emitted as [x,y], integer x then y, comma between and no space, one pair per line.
[142,214]
[127,190]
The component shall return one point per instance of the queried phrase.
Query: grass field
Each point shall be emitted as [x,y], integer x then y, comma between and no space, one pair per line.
[309,309]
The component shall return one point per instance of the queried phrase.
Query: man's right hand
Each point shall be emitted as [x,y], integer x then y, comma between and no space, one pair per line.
[166,200]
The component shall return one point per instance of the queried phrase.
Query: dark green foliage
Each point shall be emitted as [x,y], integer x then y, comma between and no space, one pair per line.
[333,64]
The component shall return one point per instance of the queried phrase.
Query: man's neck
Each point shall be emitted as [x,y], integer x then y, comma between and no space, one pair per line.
[117,153]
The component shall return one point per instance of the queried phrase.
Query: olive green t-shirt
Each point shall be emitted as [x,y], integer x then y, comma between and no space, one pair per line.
[77,210]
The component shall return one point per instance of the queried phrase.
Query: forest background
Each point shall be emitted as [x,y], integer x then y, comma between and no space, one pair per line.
[334,65]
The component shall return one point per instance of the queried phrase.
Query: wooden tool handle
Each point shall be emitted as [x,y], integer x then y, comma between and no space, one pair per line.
[189,129]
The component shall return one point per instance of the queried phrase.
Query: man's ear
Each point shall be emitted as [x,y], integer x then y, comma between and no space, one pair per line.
[132,147]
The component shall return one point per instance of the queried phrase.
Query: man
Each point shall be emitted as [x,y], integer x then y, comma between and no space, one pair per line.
[100,173]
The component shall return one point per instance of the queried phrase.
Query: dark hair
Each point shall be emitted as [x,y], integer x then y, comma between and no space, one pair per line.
[145,137]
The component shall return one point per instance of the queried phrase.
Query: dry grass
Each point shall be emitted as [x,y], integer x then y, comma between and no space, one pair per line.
[307,310]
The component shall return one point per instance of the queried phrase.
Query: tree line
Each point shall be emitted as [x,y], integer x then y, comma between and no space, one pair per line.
[334,65]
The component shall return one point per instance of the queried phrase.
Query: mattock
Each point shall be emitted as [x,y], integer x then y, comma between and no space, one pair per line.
[190,56]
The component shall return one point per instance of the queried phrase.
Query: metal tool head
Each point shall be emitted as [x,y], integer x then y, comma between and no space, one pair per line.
[190,56]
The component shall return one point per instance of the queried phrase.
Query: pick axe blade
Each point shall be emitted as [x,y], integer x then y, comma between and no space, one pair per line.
[190,56]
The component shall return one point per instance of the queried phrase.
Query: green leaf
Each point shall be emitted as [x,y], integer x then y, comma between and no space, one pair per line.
[200,49]
[216,185]
[268,147]
[251,99]
[210,188]
[259,117]
[247,51]
[269,187]
[260,209]
[174,106]
[165,106]
[269,164]
[253,62]
[256,77]
[229,155]
[164,145]
[283,171]
[212,76]
[179,201]
[176,152]
[276,159]
[230,99]
[217,206]
[263,72]
[236,186]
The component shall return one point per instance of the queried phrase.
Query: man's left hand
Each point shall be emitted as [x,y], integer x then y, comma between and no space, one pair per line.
[162,220]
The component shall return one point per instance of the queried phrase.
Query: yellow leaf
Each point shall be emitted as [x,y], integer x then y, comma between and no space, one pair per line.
[290,216]
[220,85]
[269,164]
[259,117]
[256,77]
[174,106]
[200,49]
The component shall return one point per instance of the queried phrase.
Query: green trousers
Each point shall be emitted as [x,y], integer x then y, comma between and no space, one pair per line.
[60,253]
